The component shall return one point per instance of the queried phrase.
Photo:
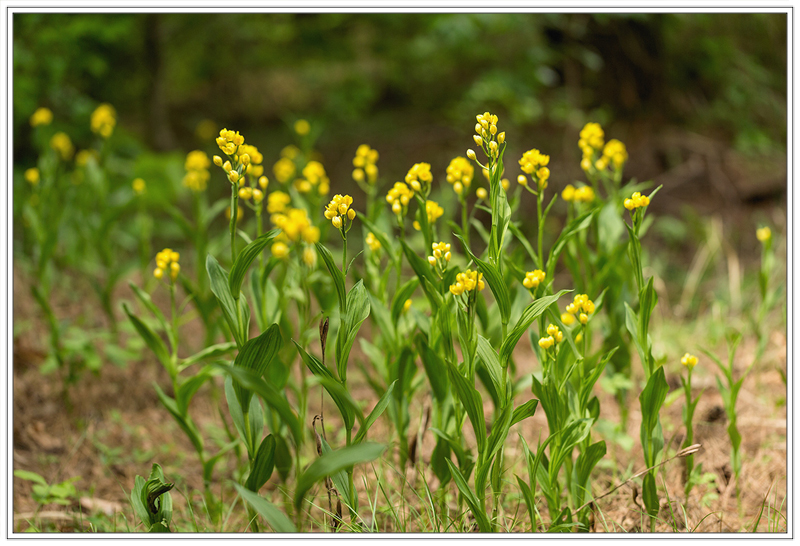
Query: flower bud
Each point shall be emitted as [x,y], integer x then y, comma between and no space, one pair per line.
[263,182]
[217,161]
[478,140]
[501,137]
[245,159]
[471,155]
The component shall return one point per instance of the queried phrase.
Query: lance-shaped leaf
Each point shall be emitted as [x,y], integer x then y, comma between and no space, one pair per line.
[255,355]
[423,271]
[208,353]
[232,309]
[403,293]
[472,501]
[473,405]
[356,312]
[245,258]
[316,368]
[376,412]
[273,516]
[184,421]
[333,462]
[435,369]
[490,360]
[153,341]
[524,411]
[531,313]
[336,275]
[262,465]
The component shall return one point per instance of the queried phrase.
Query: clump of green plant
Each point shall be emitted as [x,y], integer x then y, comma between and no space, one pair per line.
[692,474]
[152,501]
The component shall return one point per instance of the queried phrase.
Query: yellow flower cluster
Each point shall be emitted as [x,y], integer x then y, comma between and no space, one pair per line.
[467,282]
[167,258]
[441,251]
[419,177]
[62,144]
[365,163]
[338,211]
[581,306]
[277,202]
[690,361]
[591,139]
[486,136]
[229,141]
[313,177]
[139,186]
[302,127]
[636,201]
[32,176]
[197,175]
[534,163]
[533,278]
[554,335]
[103,120]
[372,242]
[459,174]
[433,210]
[614,153]
[583,194]
[253,160]
[764,234]
[294,225]
[279,249]
[246,193]
[42,116]
[399,197]
[284,169]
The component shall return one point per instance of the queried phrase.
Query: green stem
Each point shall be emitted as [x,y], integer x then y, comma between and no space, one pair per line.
[234,215]
[464,221]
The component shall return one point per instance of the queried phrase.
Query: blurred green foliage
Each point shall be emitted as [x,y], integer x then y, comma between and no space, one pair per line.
[364,75]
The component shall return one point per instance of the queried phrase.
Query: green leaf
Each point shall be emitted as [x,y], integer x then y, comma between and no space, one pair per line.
[209,353]
[473,405]
[423,271]
[262,465]
[245,258]
[184,421]
[30,476]
[496,282]
[255,355]
[356,313]
[472,501]
[339,392]
[488,356]
[376,412]
[652,398]
[435,369]
[273,516]
[333,462]
[524,411]
[269,394]
[153,341]
[586,462]
[316,368]
[527,496]
[147,301]
[232,309]
[500,428]
[188,388]
[531,313]
[336,274]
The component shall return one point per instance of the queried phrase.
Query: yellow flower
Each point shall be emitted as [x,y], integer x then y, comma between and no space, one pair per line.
[546,342]
[533,278]
[139,186]
[690,361]
[197,175]
[310,256]
[419,177]
[339,212]
[534,163]
[295,224]
[615,153]
[167,259]
[433,211]
[591,137]
[582,306]
[460,171]
[567,319]
[636,201]
[584,194]
[569,193]
[486,135]
[406,305]
[467,282]
[399,197]
[302,127]
[365,163]
[441,255]
[372,242]
[42,116]
[555,333]
[284,169]
[313,176]
[482,193]
[103,120]
[279,250]
[229,141]
[277,202]
[62,144]
[764,234]
[82,157]
[32,176]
